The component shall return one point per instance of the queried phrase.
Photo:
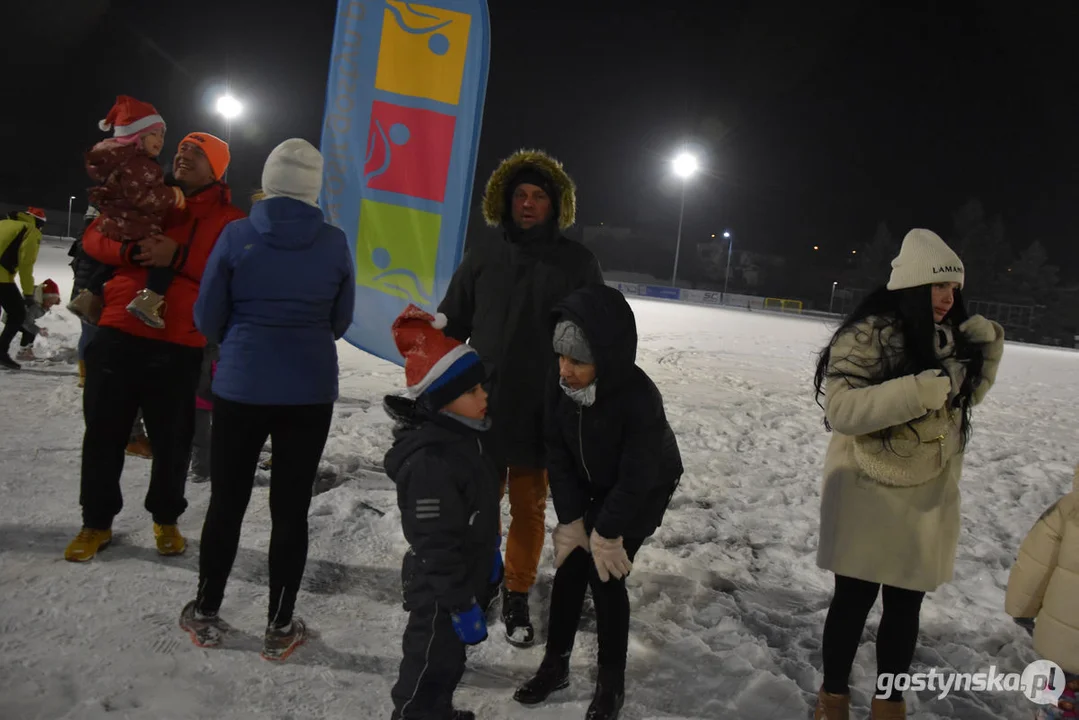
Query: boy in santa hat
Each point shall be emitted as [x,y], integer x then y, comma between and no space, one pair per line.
[447,491]
[46,297]
[132,198]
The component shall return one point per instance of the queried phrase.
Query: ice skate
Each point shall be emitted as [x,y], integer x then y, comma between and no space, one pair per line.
[148,306]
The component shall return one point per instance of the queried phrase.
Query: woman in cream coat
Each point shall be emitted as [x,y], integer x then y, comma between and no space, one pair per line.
[900,379]
[1045,582]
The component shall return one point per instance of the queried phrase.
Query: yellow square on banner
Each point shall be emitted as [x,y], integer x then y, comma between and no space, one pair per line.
[397,250]
[422,52]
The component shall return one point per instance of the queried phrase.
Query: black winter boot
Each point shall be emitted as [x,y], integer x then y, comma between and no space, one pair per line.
[553,674]
[464,715]
[519,630]
[609,696]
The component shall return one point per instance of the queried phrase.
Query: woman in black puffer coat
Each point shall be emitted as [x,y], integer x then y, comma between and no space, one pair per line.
[614,465]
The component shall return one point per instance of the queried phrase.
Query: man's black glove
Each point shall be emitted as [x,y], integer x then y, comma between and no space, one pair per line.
[29,300]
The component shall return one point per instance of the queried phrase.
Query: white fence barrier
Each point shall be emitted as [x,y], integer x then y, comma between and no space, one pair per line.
[699,297]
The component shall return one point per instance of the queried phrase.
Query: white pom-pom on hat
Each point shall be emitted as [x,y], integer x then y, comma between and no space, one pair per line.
[104,125]
[440,321]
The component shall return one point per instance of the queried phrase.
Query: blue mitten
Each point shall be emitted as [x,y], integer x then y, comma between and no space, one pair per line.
[470,626]
[497,567]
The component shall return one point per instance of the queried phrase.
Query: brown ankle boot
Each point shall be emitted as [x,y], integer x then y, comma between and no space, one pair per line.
[831,706]
[888,710]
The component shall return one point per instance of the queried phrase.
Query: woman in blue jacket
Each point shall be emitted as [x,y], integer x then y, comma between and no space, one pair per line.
[277,293]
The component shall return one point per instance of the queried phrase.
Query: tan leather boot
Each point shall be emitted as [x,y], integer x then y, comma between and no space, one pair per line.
[887,710]
[831,706]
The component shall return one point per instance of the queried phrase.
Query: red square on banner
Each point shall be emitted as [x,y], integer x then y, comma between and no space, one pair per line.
[408,151]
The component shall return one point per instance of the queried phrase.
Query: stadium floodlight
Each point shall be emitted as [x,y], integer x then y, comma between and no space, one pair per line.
[685,166]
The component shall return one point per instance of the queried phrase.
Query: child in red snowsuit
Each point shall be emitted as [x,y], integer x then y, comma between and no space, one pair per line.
[132,197]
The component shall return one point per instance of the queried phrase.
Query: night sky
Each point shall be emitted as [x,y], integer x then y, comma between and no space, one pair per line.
[819,119]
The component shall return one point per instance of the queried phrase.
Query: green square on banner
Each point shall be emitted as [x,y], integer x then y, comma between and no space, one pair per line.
[397,250]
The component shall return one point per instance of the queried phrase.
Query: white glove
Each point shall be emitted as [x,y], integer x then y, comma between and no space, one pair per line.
[934,387]
[610,558]
[978,330]
[568,538]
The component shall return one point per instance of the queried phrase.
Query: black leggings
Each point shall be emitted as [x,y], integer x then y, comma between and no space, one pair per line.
[577,574]
[897,635]
[238,432]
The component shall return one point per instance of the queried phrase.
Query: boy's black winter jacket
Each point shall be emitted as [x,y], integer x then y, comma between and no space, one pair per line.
[447,491]
[617,462]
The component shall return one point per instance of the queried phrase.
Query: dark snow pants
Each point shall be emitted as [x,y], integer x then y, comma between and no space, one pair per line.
[577,573]
[897,635]
[239,430]
[11,300]
[125,373]
[200,444]
[433,663]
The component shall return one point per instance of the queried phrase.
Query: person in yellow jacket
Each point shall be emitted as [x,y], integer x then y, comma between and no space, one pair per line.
[1044,582]
[900,381]
[20,238]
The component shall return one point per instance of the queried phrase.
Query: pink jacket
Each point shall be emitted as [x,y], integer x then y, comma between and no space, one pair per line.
[203,403]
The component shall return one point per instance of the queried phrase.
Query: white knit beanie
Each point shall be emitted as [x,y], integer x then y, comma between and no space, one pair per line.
[925,259]
[293,169]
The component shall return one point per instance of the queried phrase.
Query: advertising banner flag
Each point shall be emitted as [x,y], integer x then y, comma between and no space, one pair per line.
[404,106]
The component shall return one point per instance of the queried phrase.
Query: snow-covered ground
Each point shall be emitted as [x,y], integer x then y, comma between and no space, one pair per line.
[728,603]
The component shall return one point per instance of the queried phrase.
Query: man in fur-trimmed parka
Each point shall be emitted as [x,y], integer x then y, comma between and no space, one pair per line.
[500,301]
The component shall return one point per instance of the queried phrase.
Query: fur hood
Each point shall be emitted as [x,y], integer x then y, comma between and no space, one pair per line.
[494,197]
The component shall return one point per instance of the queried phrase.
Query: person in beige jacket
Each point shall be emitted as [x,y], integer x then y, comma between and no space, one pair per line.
[899,380]
[1044,582]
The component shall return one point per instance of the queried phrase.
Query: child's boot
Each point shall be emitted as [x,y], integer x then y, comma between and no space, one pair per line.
[553,674]
[609,697]
[26,354]
[832,706]
[148,306]
[86,306]
[888,710]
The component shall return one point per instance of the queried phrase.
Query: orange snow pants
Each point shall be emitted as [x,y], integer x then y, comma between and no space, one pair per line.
[528,506]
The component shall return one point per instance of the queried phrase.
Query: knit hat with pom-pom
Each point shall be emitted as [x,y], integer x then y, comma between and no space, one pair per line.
[438,369]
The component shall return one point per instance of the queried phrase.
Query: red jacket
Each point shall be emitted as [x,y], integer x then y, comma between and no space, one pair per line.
[131,192]
[195,229]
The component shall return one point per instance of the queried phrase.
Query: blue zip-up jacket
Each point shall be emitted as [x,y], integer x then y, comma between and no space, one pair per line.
[278,291]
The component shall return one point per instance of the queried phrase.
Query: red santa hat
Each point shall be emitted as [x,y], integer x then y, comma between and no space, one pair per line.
[438,369]
[36,212]
[48,290]
[129,117]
